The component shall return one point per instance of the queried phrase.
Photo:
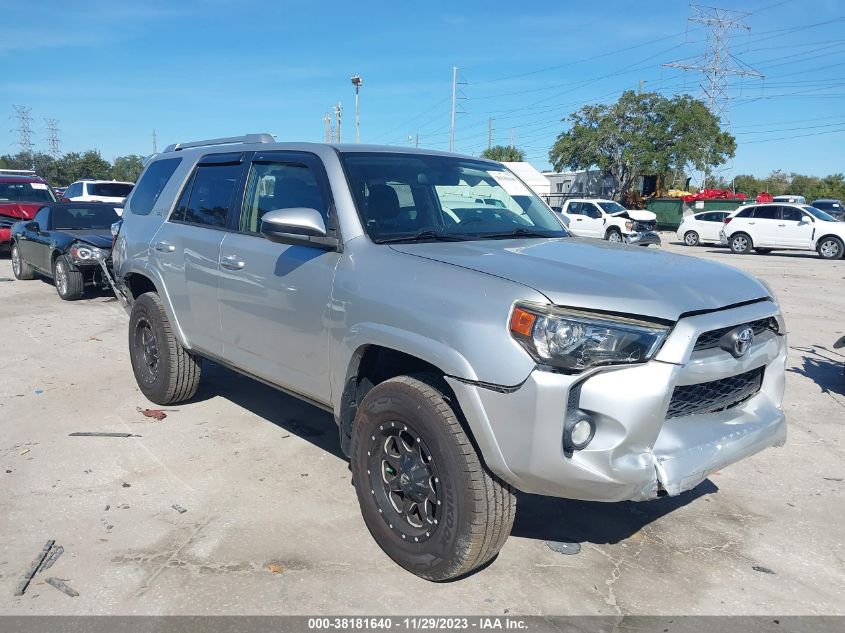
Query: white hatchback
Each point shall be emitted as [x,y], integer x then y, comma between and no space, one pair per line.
[702,227]
[766,227]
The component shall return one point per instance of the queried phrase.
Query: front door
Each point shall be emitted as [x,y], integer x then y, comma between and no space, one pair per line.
[186,249]
[274,298]
[795,229]
[764,225]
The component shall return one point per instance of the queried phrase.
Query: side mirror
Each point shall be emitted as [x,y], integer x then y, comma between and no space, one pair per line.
[297,225]
[805,220]
[32,226]
[64,199]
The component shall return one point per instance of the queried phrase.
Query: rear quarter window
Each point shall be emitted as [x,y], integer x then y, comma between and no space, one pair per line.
[151,184]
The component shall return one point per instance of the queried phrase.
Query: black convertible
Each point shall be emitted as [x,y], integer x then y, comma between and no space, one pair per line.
[66,242]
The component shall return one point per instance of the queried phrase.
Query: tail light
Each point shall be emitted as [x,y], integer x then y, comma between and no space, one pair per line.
[727,220]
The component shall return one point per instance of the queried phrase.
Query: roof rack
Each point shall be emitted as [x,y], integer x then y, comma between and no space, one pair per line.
[247,138]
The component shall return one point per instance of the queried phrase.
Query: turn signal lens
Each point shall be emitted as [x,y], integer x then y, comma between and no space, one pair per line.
[522,321]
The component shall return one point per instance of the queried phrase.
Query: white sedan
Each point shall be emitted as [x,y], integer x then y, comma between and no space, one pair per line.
[702,227]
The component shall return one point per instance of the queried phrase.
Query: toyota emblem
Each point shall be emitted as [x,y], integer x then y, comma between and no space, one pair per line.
[738,341]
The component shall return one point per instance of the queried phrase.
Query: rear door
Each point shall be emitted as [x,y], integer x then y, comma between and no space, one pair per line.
[186,249]
[32,244]
[709,225]
[763,227]
[274,298]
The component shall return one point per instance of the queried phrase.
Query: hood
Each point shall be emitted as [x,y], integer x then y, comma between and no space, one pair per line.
[100,239]
[637,214]
[20,210]
[592,274]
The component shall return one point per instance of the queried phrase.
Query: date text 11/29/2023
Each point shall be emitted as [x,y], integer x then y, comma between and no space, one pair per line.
[416,623]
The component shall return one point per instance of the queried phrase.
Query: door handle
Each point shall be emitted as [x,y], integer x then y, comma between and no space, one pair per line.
[165,247]
[578,219]
[232,262]
[752,223]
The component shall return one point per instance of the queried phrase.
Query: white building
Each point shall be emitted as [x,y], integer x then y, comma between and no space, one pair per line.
[531,177]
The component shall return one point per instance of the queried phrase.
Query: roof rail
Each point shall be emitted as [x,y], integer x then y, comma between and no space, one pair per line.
[247,138]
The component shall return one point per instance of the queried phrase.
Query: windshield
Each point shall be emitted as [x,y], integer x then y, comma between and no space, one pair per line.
[95,218]
[612,207]
[421,197]
[818,213]
[109,189]
[25,192]
[828,205]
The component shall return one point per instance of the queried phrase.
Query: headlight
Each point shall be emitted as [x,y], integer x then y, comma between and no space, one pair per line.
[572,340]
[83,253]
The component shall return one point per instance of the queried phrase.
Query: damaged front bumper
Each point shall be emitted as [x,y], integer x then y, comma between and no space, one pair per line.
[637,452]
[643,238]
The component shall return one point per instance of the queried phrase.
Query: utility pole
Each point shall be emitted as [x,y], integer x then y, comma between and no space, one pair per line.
[24,130]
[640,87]
[418,140]
[454,101]
[53,137]
[155,145]
[338,114]
[357,82]
[717,64]
[513,137]
[489,132]
[328,121]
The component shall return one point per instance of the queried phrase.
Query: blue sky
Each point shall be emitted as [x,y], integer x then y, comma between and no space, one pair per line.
[111,72]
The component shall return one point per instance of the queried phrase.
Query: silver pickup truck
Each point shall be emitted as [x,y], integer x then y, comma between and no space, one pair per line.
[466,349]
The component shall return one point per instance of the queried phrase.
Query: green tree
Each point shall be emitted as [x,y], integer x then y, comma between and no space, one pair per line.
[642,134]
[127,168]
[504,154]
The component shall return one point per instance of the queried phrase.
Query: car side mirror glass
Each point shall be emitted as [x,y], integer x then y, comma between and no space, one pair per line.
[32,226]
[297,225]
[805,220]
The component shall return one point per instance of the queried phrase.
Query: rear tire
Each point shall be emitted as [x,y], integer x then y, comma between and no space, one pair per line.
[830,248]
[70,283]
[165,371]
[741,243]
[436,511]
[614,235]
[691,238]
[22,269]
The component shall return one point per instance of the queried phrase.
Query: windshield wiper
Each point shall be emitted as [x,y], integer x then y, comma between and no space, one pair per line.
[517,232]
[427,234]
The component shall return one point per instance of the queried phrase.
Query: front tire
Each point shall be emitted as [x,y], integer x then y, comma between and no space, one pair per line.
[830,248]
[21,268]
[614,235]
[165,371]
[691,238]
[70,283]
[741,243]
[425,496]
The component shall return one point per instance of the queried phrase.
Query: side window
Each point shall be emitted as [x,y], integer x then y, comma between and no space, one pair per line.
[746,213]
[574,208]
[708,217]
[208,197]
[792,214]
[592,211]
[273,186]
[43,219]
[74,190]
[153,180]
[767,212]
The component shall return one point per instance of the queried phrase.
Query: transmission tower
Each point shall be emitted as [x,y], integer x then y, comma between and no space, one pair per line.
[53,137]
[24,129]
[717,65]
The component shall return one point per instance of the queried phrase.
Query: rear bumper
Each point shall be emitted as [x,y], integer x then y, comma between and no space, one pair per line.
[636,452]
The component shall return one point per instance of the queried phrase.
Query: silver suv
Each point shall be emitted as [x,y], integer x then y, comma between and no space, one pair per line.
[466,349]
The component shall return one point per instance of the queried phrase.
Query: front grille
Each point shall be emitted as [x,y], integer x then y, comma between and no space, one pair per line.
[645,225]
[710,340]
[718,395]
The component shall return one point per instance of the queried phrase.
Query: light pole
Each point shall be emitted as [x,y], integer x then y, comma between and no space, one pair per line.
[357,82]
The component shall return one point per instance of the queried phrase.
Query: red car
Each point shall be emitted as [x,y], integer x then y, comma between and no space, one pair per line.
[20,198]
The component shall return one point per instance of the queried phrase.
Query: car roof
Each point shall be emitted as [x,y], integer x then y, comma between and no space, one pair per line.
[72,205]
[98,182]
[9,178]
[826,200]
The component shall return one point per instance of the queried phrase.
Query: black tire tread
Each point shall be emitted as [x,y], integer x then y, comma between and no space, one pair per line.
[494,501]
[75,280]
[185,368]
[27,270]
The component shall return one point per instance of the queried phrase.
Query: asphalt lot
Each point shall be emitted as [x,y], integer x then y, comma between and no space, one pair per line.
[272,524]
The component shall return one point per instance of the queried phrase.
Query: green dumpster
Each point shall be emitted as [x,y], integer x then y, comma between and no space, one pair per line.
[669,212]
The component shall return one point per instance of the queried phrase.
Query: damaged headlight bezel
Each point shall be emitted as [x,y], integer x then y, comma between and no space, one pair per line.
[572,341]
[83,254]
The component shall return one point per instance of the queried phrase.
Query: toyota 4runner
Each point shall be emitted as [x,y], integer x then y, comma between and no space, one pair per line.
[464,354]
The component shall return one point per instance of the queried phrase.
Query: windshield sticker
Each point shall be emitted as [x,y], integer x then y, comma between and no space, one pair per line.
[38,185]
[510,183]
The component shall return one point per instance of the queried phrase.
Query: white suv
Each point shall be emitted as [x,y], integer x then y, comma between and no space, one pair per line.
[610,221]
[765,227]
[111,191]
